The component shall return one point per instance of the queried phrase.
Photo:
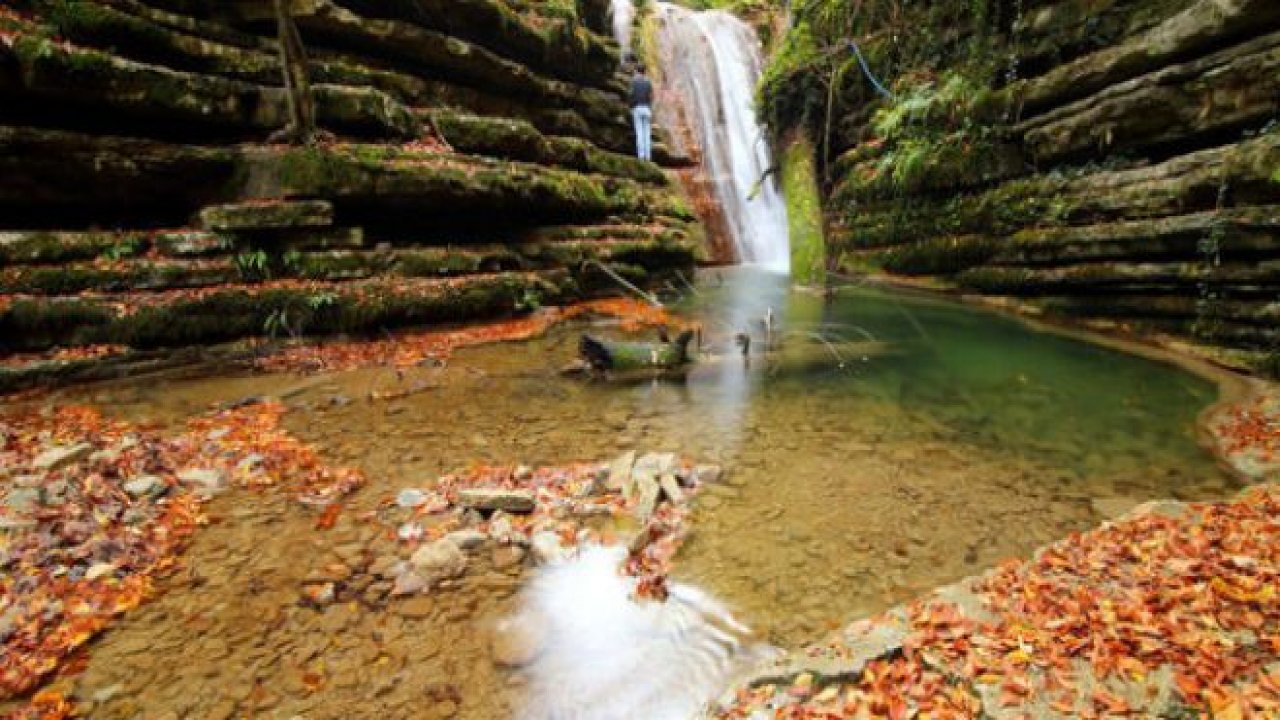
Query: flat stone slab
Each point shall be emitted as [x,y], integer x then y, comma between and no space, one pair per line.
[56,458]
[513,501]
[267,215]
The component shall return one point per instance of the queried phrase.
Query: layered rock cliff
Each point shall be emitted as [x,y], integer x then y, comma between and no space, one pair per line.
[1114,162]
[481,166]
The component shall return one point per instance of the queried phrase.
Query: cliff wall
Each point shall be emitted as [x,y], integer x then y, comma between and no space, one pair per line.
[1114,162]
[481,165]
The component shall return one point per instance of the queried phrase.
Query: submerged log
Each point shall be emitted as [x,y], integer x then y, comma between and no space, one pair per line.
[607,355]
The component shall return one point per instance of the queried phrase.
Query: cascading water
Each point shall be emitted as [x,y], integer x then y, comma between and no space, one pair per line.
[711,61]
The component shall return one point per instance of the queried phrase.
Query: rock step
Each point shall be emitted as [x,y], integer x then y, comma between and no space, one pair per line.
[208,49]
[1203,26]
[1239,278]
[192,103]
[1234,88]
[184,317]
[129,182]
[1230,234]
[519,140]
[1181,185]
[1263,312]
[545,42]
[249,266]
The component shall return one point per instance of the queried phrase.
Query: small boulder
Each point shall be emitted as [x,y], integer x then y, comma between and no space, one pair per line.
[467,539]
[60,456]
[410,498]
[438,561]
[507,500]
[145,486]
[204,480]
[707,474]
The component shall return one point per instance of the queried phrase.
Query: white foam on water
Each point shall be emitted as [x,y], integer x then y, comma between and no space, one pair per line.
[605,656]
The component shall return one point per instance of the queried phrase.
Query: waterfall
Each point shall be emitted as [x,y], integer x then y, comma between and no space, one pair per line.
[711,61]
[623,13]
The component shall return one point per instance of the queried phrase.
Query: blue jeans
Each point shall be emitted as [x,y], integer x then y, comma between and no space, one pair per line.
[643,117]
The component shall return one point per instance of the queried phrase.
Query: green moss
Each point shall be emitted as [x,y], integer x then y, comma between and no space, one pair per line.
[804,212]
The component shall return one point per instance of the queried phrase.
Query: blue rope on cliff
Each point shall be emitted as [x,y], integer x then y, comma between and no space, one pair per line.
[866,70]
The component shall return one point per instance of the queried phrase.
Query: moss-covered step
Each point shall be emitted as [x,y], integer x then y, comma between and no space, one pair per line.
[1051,34]
[1181,185]
[375,177]
[556,46]
[189,102]
[266,215]
[1233,233]
[654,254]
[107,180]
[1263,311]
[116,276]
[40,246]
[945,255]
[433,54]
[520,140]
[189,317]
[1201,27]
[1190,103]
[407,262]
[1238,278]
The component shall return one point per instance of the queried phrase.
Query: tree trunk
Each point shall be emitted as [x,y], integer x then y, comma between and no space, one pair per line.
[297,82]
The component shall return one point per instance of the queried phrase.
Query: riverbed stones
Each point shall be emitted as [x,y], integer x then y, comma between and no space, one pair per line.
[60,456]
[207,481]
[507,500]
[518,640]
[145,486]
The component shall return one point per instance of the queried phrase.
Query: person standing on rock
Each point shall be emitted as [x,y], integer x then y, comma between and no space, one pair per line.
[642,111]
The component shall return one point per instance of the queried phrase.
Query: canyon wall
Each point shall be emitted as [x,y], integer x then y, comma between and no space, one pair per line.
[481,164]
[1112,162]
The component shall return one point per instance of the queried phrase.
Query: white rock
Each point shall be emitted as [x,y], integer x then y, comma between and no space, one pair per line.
[467,539]
[206,480]
[438,561]
[513,501]
[410,498]
[58,457]
[707,474]
[98,570]
[144,485]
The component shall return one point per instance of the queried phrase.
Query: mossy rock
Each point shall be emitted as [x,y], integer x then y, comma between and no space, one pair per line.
[267,215]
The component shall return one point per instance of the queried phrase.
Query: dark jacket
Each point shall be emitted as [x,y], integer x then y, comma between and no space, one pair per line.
[641,91]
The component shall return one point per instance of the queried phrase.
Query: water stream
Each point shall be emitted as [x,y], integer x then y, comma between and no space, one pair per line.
[853,484]
[890,445]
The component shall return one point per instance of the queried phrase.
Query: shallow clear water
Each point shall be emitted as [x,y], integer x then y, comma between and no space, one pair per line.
[963,438]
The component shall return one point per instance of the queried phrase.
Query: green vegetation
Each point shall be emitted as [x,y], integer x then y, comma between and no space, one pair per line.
[804,212]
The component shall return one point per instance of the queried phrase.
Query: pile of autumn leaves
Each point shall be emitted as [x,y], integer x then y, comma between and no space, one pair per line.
[410,348]
[1172,612]
[90,548]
